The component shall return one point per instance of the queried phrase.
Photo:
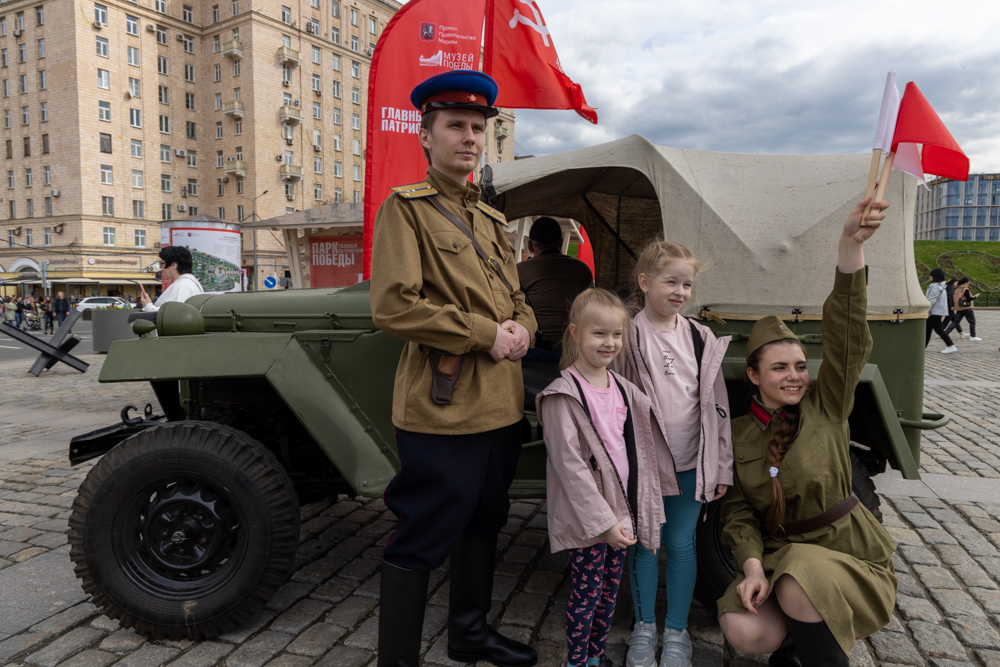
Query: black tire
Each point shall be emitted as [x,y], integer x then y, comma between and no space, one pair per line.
[225,520]
[715,560]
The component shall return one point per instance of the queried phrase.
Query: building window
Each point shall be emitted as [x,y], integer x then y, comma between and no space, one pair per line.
[10,148]
[236,7]
[336,89]
[187,14]
[19,20]
[218,101]
[10,180]
[162,66]
[47,175]
[218,159]
[161,6]
[317,138]
[40,15]
[221,188]
[161,35]
[137,148]
[105,143]
[336,116]
[188,44]
[103,79]
[317,84]
[3,58]
[335,8]
[29,233]
[192,187]
[6,119]
[317,164]
[192,158]
[3,27]
[109,236]
[137,180]
[356,146]
[140,238]
[6,88]
[318,191]
[336,62]
[356,95]
[236,66]
[314,25]
[218,129]
[13,214]
[357,172]
[316,55]
[317,110]
[41,48]
[354,43]
[286,74]
[134,87]
[45,144]
[239,212]
[108,209]
[222,212]
[43,79]
[164,124]
[357,196]
[189,101]
[23,83]
[238,127]
[47,231]
[335,36]
[22,53]
[107,174]
[354,17]
[218,73]
[44,111]
[102,47]
[189,73]
[356,121]
[138,209]
[27,147]
[135,117]
[355,69]
[286,14]
[164,153]
[165,183]
[104,111]
[133,56]
[131,25]
[216,44]
[337,142]
[29,181]
[100,14]
[289,189]
[191,130]
[372,25]
[48,212]
[338,195]
[166,212]
[215,13]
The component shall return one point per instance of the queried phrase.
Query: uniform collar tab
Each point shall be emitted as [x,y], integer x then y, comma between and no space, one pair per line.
[762,415]
[466,195]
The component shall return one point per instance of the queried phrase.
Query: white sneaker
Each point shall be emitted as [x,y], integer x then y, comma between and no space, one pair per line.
[949,350]
[642,646]
[676,648]
[975,338]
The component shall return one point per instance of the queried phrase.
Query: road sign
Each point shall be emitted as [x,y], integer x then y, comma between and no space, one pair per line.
[270,282]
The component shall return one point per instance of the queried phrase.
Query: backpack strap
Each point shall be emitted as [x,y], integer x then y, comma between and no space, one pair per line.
[699,346]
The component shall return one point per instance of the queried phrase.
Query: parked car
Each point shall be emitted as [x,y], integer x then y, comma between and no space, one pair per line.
[92,302]
[190,521]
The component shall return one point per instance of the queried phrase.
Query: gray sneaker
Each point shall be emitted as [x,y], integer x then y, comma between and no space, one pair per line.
[676,648]
[642,646]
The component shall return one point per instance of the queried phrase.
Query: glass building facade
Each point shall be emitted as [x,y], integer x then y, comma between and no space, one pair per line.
[959,210]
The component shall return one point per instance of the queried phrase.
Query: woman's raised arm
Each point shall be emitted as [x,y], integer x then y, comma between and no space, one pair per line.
[851,254]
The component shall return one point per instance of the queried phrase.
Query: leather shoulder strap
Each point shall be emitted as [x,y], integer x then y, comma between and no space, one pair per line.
[415,190]
[492,213]
[486,257]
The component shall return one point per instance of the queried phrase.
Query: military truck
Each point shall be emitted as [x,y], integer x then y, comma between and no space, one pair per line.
[190,520]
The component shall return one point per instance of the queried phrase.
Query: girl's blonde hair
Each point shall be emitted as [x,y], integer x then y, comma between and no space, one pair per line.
[579,312]
[656,255]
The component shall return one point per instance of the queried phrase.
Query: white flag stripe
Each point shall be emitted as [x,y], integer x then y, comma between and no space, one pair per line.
[908,160]
[887,114]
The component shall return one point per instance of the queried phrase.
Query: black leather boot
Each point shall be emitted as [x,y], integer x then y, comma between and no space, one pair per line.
[785,656]
[402,601]
[470,637]
[815,644]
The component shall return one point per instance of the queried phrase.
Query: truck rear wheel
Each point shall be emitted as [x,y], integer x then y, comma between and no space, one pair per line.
[184,530]
[715,560]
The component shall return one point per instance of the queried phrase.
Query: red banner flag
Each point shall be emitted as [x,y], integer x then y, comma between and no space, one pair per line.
[522,58]
[917,123]
[424,38]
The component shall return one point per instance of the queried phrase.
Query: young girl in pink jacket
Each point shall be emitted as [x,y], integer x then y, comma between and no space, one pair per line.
[602,482]
[677,362]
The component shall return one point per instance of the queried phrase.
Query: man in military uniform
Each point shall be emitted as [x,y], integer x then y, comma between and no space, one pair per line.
[444,279]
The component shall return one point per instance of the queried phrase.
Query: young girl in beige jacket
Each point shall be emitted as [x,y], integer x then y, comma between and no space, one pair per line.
[603,485]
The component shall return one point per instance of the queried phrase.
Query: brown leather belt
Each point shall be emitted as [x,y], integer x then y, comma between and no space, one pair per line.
[820,520]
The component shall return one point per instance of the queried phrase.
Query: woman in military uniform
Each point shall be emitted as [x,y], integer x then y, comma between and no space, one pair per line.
[792,521]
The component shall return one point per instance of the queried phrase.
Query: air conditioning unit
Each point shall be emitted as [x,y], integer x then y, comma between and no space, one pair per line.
[289,140]
[317,148]
[279,158]
[290,197]
[128,94]
[150,28]
[184,192]
[225,179]
[310,29]
[97,24]
[180,153]
[182,207]
[297,102]
[319,93]
[17,33]
[54,193]
[229,159]
[286,83]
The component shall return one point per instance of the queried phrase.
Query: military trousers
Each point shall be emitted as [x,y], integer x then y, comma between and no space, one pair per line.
[449,486]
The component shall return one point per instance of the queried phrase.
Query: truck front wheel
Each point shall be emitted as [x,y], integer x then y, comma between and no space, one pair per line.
[184,530]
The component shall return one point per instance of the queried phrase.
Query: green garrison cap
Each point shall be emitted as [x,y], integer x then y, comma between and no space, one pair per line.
[767,330]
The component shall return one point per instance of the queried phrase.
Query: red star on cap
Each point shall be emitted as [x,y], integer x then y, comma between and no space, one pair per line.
[472,98]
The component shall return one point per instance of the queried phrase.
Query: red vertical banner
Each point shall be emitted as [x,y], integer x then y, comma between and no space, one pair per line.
[424,38]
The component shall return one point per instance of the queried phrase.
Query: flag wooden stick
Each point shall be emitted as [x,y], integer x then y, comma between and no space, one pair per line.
[872,175]
[883,181]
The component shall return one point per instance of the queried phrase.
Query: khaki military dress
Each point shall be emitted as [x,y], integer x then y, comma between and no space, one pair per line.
[845,567]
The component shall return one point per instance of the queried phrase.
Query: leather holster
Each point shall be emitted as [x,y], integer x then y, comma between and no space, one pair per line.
[445,369]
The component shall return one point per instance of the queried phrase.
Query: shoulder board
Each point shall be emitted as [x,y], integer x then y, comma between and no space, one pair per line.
[415,190]
[492,212]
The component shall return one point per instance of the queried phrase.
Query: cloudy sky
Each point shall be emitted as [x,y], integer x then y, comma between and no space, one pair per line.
[769,76]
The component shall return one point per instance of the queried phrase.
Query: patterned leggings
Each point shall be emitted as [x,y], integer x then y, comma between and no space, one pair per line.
[596,573]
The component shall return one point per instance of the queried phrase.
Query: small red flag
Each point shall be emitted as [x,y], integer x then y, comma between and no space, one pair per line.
[522,58]
[917,123]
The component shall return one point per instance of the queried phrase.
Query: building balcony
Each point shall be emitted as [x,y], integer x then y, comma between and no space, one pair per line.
[233,109]
[290,172]
[288,56]
[290,115]
[232,49]
[236,168]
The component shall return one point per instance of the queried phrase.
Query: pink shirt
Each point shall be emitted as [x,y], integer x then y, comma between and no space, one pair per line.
[608,412]
[669,354]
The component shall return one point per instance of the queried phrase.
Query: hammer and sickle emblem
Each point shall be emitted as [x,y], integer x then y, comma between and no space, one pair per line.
[537,25]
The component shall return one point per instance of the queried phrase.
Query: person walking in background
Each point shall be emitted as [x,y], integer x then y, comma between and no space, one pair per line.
[19,310]
[952,282]
[937,294]
[962,303]
[48,314]
[10,311]
[60,307]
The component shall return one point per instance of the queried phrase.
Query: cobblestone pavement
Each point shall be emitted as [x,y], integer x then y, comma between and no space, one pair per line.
[948,610]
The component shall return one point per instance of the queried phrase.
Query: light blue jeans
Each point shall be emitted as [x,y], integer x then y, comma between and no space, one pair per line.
[677,538]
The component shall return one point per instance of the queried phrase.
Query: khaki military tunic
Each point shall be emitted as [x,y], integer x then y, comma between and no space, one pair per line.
[430,287]
[845,568]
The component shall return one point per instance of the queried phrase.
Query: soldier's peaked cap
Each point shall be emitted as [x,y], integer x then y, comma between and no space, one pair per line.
[767,330]
[460,89]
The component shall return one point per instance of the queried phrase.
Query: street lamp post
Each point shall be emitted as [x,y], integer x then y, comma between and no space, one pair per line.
[253,217]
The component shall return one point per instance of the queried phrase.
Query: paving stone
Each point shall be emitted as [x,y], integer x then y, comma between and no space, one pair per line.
[339,532]
[106,624]
[21,644]
[19,534]
[49,540]
[53,525]
[936,536]
[435,618]
[335,590]
[989,599]
[259,650]
[935,577]
[526,609]
[342,508]
[318,524]
[319,571]
[351,548]
[952,554]
[300,616]
[945,515]
[903,536]
[502,587]
[149,655]
[438,654]
[30,552]
[973,576]
[916,609]
[974,543]
[122,641]
[290,661]
[895,626]
[90,658]
[205,654]
[378,529]
[310,510]
[345,656]
[288,595]
[920,520]
[989,658]
[350,611]
[359,569]
[240,634]
[64,647]
[520,554]
[918,555]
[975,632]
[371,588]
[985,525]
[366,636]
[909,586]
[936,641]
[956,603]
[66,619]
[317,640]
[308,552]
[892,647]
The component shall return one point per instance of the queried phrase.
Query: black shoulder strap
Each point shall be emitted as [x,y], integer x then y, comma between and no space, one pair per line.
[489,259]
[699,346]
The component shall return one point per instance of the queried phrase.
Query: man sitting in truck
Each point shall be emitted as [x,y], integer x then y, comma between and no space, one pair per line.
[175,265]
